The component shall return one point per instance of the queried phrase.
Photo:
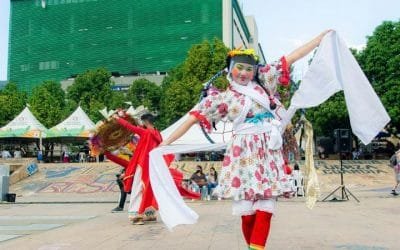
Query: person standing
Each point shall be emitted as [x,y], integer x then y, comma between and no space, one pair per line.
[396,169]
[142,205]
[120,177]
[252,170]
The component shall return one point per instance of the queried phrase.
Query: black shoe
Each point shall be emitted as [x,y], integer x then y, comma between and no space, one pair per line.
[394,192]
[117,209]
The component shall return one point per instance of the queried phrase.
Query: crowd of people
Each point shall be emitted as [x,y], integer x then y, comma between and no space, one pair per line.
[16,153]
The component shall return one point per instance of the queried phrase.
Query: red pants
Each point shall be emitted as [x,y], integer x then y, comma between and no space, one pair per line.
[255,229]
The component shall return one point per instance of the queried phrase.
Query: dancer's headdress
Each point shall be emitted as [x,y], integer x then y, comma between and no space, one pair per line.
[241,56]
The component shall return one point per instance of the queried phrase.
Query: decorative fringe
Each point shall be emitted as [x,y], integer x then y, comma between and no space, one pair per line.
[312,183]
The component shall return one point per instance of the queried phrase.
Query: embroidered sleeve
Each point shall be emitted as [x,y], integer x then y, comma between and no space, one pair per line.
[134,129]
[211,109]
[275,73]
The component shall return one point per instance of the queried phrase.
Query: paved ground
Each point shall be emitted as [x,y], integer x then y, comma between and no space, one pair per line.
[50,214]
[371,224]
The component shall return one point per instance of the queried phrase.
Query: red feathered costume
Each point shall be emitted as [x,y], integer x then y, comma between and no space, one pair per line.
[149,139]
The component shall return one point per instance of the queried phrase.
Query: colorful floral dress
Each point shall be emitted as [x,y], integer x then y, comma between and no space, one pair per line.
[250,169]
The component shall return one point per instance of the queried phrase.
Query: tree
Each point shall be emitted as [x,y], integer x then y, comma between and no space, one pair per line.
[92,91]
[330,115]
[118,99]
[12,102]
[146,93]
[48,103]
[182,88]
[380,61]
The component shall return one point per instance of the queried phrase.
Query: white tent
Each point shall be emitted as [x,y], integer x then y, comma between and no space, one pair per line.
[195,135]
[25,125]
[78,124]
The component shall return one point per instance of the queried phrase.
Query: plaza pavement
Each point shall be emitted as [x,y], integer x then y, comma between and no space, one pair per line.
[69,213]
[372,224]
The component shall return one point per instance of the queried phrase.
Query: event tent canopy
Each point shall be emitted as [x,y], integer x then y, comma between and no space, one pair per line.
[77,125]
[25,125]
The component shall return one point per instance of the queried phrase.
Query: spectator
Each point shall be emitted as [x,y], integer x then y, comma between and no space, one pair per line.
[321,152]
[355,154]
[17,153]
[82,156]
[396,169]
[65,156]
[212,181]
[5,154]
[199,181]
[39,156]
[23,151]
[123,194]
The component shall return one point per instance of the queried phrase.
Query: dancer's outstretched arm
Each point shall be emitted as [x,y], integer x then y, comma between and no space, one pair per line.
[134,129]
[305,49]
[181,130]
[120,161]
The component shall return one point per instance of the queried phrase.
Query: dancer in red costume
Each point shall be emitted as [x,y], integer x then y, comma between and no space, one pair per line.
[142,204]
[252,173]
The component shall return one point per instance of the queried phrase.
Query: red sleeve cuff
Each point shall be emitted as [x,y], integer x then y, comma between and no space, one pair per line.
[284,79]
[202,119]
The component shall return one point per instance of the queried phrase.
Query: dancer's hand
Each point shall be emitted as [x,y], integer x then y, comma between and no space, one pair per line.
[306,48]
[320,36]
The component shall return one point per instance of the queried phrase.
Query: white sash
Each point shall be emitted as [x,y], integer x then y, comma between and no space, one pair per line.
[239,125]
[248,90]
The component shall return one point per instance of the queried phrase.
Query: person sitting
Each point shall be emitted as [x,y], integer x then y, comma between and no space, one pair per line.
[17,153]
[212,181]
[5,154]
[199,181]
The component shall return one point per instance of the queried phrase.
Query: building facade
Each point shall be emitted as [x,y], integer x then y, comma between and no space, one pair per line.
[58,39]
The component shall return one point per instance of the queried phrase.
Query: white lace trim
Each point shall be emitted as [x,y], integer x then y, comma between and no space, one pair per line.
[244,207]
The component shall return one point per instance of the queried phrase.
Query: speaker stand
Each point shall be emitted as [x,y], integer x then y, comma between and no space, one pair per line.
[344,190]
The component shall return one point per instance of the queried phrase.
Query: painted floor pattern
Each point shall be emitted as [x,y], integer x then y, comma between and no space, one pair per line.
[12,227]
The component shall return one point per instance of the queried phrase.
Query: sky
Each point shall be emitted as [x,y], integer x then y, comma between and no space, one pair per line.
[285,25]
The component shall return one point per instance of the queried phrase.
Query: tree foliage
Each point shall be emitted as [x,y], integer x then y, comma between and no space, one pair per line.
[92,91]
[182,88]
[380,61]
[330,115]
[146,93]
[48,104]
[12,102]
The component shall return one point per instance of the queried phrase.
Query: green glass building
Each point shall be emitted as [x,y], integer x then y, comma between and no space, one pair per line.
[58,39]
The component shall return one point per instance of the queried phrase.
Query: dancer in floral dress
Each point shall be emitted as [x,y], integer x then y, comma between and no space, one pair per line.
[252,172]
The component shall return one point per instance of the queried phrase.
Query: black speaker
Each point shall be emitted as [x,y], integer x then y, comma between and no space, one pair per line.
[343,141]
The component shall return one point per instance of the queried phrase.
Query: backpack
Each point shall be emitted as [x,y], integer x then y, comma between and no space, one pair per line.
[393,160]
